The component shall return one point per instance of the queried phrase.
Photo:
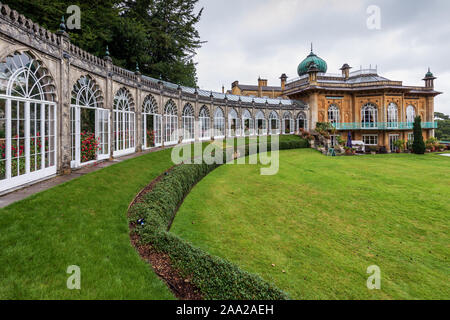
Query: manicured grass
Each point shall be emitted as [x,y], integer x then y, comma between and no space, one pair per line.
[325,220]
[83,223]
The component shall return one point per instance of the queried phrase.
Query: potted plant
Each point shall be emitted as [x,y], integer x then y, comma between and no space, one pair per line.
[373,150]
[399,145]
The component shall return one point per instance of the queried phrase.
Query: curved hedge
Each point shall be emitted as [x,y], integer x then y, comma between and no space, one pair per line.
[215,277]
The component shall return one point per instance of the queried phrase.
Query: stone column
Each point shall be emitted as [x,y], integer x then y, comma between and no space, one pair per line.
[63,106]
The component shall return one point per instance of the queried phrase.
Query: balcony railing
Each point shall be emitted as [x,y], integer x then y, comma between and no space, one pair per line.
[382,126]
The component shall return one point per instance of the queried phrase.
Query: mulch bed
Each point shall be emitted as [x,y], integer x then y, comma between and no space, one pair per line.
[161,263]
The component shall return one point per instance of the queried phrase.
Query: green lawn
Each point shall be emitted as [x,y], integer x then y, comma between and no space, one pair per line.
[82,222]
[325,220]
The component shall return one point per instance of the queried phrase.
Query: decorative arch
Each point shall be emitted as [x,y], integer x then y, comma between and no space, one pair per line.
[170,108]
[369,116]
[150,106]
[123,100]
[87,93]
[24,76]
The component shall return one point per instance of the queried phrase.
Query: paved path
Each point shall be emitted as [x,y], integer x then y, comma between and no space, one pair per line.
[7,199]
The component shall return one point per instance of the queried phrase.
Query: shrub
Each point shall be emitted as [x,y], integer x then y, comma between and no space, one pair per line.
[215,277]
[418,144]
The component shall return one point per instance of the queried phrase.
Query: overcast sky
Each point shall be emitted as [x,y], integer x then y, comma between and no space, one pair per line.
[251,38]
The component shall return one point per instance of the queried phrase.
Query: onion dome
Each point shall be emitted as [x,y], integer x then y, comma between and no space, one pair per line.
[429,74]
[303,67]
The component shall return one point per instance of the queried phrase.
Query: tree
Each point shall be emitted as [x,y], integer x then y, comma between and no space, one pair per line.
[172,37]
[443,130]
[418,144]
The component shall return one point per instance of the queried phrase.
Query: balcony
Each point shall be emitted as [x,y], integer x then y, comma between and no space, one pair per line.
[382,126]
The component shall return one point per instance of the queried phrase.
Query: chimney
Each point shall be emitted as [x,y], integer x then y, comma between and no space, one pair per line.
[283,81]
[346,71]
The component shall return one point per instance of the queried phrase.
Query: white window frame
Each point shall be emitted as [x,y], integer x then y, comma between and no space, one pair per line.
[333,114]
[392,116]
[124,121]
[150,109]
[188,118]
[274,119]
[260,117]
[205,124]
[370,139]
[170,124]
[247,116]
[369,116]
[21,71]
[219,124]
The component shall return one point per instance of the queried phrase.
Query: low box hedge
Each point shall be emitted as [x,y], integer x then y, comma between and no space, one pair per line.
[216,278]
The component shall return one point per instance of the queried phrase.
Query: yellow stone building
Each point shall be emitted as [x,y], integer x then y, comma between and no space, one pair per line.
[376,110]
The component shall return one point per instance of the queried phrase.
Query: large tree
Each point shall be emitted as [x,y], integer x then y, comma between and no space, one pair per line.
[443,129]
[159,35]
[173,39]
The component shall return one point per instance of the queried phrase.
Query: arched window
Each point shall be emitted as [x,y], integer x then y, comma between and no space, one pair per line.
[247,123]
[205,123]
[124,123]
[219,124]
[27,121]
[89,123]
[261,123]
[392,116]
[171,123]
[288,123]
[333,114]
[151,123]
[410,115]
[233,124]
[188,123]
[274,123]
[302,121]
[369,116]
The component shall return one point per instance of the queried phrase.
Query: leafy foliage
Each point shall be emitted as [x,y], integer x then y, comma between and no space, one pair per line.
[418,144]
[443,130]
